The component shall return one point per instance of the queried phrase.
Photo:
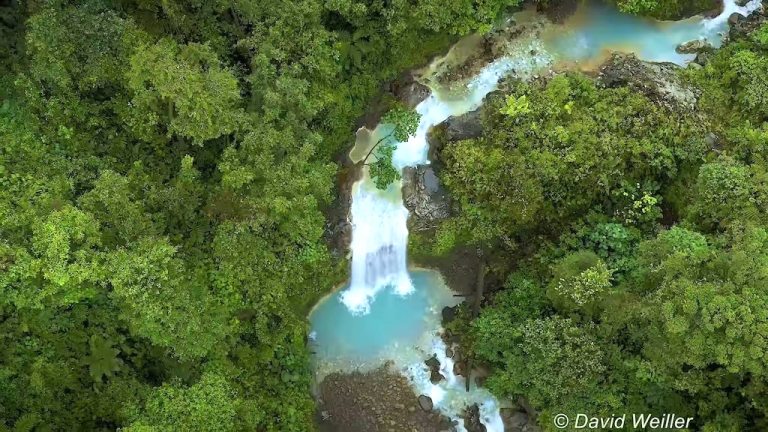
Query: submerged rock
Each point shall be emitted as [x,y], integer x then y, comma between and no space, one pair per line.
[694,47]
[425,402]
[425,198]
[558,11]
[659,81]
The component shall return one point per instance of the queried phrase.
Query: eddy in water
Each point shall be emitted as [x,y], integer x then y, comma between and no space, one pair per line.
[387,313]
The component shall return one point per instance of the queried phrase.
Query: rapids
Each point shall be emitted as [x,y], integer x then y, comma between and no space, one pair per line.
[390,313]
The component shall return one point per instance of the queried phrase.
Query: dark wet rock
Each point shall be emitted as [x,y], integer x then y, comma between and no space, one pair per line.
[338,226]
[472,419]
[514,421]
[459,367]
[434,369]
[425,198]
[425,402]
[735,19]
[376,401]
[558,11]
[449,314]
[694,47]
[743,27]
[465,126]
[449,352]
[659,81]
[408,90]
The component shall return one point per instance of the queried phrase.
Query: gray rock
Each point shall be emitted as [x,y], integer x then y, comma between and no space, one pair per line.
[425,198]
[735,19]
[425,402]
[694,47]
[465,126]
[659,81]
[409,91]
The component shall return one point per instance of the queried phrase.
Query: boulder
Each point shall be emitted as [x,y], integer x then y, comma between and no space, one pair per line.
[449,314]
[425,198]
[425,402]
[434,369]
[743,27]
[472,419]
[735,19]
[694,47]
[408,90]
[465,126]
[514,421]
[659,81]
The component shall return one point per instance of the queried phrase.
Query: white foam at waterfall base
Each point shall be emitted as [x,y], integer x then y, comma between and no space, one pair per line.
[450,395]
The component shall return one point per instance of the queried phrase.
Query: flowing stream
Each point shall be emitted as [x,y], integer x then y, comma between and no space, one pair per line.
[390,313]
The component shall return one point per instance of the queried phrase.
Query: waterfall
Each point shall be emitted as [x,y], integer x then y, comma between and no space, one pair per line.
[379,218]
[379,243]
[379,230]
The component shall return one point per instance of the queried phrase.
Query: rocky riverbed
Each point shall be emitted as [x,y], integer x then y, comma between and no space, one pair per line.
[375,401]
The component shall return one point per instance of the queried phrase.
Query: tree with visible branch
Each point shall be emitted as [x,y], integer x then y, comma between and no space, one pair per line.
[404,123]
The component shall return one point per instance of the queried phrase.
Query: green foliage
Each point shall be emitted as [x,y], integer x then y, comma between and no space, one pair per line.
[664,9]
[549,361]
[403,123]
[561,149]
[102,360]
[183,89]
[381,170]
[162,172]
[726,190]
[516,106]
[579,282]
[642,289]
[210,405]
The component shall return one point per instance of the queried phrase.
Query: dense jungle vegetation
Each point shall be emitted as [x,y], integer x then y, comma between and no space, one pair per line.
[631,244]
[164,167]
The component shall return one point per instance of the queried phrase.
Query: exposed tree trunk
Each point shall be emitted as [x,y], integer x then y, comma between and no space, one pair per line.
[478,297]
[370,152]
